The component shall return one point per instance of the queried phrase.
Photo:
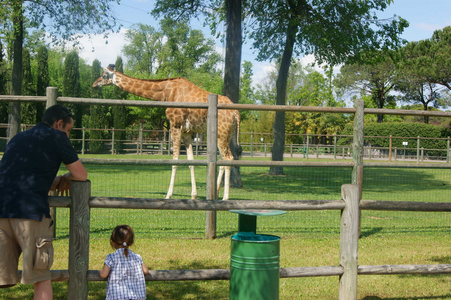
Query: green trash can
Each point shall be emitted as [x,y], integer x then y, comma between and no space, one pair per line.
[254,267]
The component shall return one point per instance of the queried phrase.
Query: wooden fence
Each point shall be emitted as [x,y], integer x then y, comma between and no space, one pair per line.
[350,204]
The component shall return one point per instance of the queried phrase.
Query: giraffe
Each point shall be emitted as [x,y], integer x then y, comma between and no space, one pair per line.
[183,121]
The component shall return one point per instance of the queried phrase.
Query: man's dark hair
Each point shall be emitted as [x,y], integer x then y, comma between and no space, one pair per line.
[57,112]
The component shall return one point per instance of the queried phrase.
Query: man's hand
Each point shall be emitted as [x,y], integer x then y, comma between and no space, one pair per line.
[61,184]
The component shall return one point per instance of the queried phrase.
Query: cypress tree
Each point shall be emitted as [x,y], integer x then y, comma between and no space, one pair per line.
[119,113]
[28,109]
[72,88]
[97,118]
[43,78]
[3,91]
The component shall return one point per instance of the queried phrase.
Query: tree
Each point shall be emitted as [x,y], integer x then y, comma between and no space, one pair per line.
[246,89]
[430,59]
[3,89]
[68,22]
[332,30]
[97,116]
[374,78]
[43,78]
[72,88]
[29,113]
[119,113]
[415,90]
[145,43]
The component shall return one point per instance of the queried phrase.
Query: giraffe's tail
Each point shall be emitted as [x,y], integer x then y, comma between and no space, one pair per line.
[239,149]
[238,124]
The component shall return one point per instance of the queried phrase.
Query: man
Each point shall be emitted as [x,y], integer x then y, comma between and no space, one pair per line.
[27,173]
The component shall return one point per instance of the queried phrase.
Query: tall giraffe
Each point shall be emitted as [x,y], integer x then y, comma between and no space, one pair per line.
[183,121]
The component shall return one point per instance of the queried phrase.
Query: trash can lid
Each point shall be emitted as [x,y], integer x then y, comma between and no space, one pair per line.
[250,236]
[258,212]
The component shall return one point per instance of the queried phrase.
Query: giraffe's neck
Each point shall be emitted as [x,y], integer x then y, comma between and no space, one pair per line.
[158,90]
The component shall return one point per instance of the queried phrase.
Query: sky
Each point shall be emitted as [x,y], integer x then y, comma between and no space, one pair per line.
[424,16]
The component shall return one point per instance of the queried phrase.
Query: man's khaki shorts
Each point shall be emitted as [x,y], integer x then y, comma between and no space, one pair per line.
[33,239]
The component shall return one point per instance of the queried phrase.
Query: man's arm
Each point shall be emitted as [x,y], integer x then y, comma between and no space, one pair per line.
[76,172]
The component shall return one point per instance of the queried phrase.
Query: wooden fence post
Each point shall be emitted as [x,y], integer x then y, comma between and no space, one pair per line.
[212,141]
[79,240]
[357,148]
[349,236]
[52,94]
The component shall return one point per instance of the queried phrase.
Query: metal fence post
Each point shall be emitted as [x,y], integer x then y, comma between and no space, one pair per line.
[83,141]
[79,240]
[448,152]
[212,141]
[112,141]
[418,149]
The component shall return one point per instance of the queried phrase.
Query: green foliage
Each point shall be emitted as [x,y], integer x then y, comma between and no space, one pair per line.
[247,91]
[43,78]
[173,50]
[28,110]
[403,129]
[375,78]
[430,59]
[70,20]
[97,117]
[332,30]
[119,114]
[72,88]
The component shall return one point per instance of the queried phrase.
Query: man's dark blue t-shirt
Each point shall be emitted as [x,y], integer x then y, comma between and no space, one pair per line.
[27,170]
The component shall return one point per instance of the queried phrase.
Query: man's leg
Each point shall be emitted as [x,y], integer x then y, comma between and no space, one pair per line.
[43,290]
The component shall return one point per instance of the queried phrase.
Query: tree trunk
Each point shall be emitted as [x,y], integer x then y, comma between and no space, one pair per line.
[14,108]
[281,97]
[232,74]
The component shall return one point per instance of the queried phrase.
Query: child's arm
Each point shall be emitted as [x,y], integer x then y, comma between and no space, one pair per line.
[145,269]
[105,271]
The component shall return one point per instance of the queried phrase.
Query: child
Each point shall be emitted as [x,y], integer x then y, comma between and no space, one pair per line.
[124,268]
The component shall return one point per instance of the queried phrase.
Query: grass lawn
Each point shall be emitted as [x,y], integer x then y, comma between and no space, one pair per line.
[175,239]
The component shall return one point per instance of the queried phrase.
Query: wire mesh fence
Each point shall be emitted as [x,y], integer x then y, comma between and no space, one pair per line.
[296,183]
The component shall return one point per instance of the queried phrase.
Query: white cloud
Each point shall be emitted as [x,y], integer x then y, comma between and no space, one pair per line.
[428,27]
[106,50]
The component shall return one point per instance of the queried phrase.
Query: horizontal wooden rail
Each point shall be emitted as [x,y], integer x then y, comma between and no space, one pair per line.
[220,205]
[428,165]
[217,205]
[224,274]
[144,103]
[405,206]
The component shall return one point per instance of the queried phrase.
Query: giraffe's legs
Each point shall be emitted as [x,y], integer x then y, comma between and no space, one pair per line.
[219,181]
[188,141]
[176,140]
[171,183]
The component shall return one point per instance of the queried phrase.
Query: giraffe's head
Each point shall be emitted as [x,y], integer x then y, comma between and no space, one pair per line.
[106,78]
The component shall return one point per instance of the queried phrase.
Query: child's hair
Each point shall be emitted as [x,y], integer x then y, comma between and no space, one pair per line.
[122,237]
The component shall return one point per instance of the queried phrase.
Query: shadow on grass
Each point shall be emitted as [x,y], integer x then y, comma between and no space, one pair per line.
[442,259]
[370,232]
[443,297]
